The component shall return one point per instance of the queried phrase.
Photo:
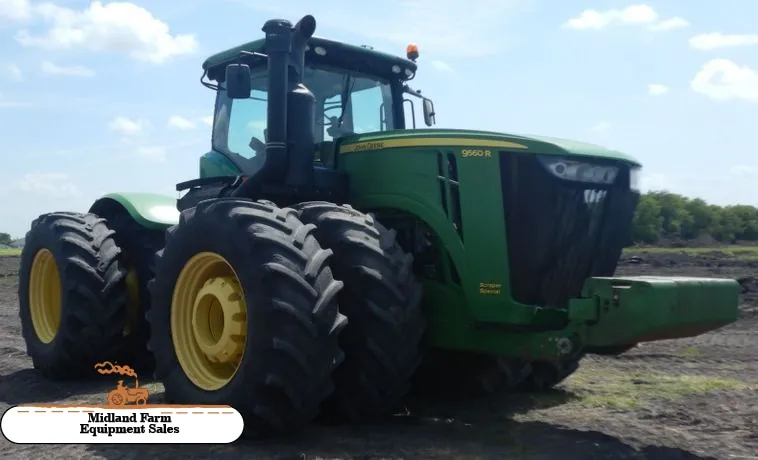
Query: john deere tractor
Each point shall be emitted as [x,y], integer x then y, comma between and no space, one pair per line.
[330,256]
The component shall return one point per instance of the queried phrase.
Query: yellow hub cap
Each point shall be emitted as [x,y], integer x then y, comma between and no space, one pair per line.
[208,321]
[45,296]
[132,305]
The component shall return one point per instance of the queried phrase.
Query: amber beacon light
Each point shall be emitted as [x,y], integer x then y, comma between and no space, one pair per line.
[412,51]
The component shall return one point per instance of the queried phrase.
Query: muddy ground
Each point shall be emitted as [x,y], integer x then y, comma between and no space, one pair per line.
[680,399]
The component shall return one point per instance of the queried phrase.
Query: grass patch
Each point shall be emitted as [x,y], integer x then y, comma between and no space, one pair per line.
[596,387]
[691,352]
[733,250]
[10,252]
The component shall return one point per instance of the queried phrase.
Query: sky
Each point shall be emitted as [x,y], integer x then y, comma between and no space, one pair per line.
[101,96]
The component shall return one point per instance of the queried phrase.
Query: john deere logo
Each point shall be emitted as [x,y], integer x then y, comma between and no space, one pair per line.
[123,395]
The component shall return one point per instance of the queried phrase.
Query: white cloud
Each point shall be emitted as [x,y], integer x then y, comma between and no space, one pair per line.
[723,80]
[120,27]
[593,19]
[128,126]
[53,184]
[179,122]
[674,23]
[12,71]
[632,15]
[601,126]
[657,89]
[66,71]
[157,154]
[442,66]
[15,10]
[712,41]
[208,120]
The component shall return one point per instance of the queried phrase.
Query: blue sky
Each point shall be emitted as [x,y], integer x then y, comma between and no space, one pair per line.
[104,96]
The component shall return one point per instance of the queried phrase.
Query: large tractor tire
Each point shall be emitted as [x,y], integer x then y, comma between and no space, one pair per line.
[447,375]
[382,300]
[72,294]
[245,313]
[545,376]
[139,246]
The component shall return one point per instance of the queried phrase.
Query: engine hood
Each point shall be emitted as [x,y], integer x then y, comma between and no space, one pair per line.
[471,138]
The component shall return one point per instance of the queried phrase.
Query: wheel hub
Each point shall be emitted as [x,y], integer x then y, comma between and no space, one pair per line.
[218,320]
[209,321]
[45,296]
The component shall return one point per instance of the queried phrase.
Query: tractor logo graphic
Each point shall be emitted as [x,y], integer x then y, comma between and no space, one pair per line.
[123,395]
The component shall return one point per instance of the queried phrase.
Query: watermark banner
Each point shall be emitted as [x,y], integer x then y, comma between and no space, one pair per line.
[149,424]
[126,418]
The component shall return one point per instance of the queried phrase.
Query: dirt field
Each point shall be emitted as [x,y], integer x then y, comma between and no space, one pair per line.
[683,399]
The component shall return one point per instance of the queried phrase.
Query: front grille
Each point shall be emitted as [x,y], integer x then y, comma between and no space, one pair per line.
[561,232]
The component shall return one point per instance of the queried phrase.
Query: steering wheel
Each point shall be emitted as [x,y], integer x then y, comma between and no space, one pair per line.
[327,120]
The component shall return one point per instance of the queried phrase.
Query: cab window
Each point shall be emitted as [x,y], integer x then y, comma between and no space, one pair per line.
[240,124]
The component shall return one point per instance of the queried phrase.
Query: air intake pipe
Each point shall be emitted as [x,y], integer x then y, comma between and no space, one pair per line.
[301,105]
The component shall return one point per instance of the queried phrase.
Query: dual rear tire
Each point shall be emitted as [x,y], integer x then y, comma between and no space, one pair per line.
[245,313]
[252,315]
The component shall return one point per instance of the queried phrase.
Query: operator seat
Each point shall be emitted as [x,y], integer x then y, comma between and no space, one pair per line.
[256,161]
[335,130]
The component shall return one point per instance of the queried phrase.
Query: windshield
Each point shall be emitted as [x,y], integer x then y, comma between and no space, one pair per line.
[346,103]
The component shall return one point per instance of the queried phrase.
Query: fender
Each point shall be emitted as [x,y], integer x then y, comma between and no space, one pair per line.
[147,209]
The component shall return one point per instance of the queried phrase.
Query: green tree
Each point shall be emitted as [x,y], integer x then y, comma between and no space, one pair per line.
[728,226]
[702,218]
[646,226]
[674,213]
[665,214]
[5,238]
[748,216]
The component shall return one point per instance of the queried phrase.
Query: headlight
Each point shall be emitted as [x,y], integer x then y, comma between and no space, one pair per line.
[635,174]
[580,171]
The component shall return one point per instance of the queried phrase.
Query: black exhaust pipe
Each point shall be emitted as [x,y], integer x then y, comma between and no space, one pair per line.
[290,110]
[278,46]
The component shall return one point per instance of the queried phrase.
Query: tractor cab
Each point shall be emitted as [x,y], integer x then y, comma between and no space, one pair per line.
[299,97]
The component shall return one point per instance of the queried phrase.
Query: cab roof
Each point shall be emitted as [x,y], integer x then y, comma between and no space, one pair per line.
[338,54]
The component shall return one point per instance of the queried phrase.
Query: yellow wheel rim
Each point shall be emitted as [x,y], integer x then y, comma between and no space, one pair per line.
[208,321]
[45,296]
[132,301]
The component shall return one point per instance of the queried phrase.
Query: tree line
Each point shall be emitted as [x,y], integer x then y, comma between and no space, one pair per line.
[663,217]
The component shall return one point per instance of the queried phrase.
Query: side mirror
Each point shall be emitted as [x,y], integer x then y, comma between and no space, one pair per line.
[428,112]
[238,84]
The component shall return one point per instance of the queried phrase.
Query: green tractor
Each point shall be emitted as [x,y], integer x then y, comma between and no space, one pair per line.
[465,260]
